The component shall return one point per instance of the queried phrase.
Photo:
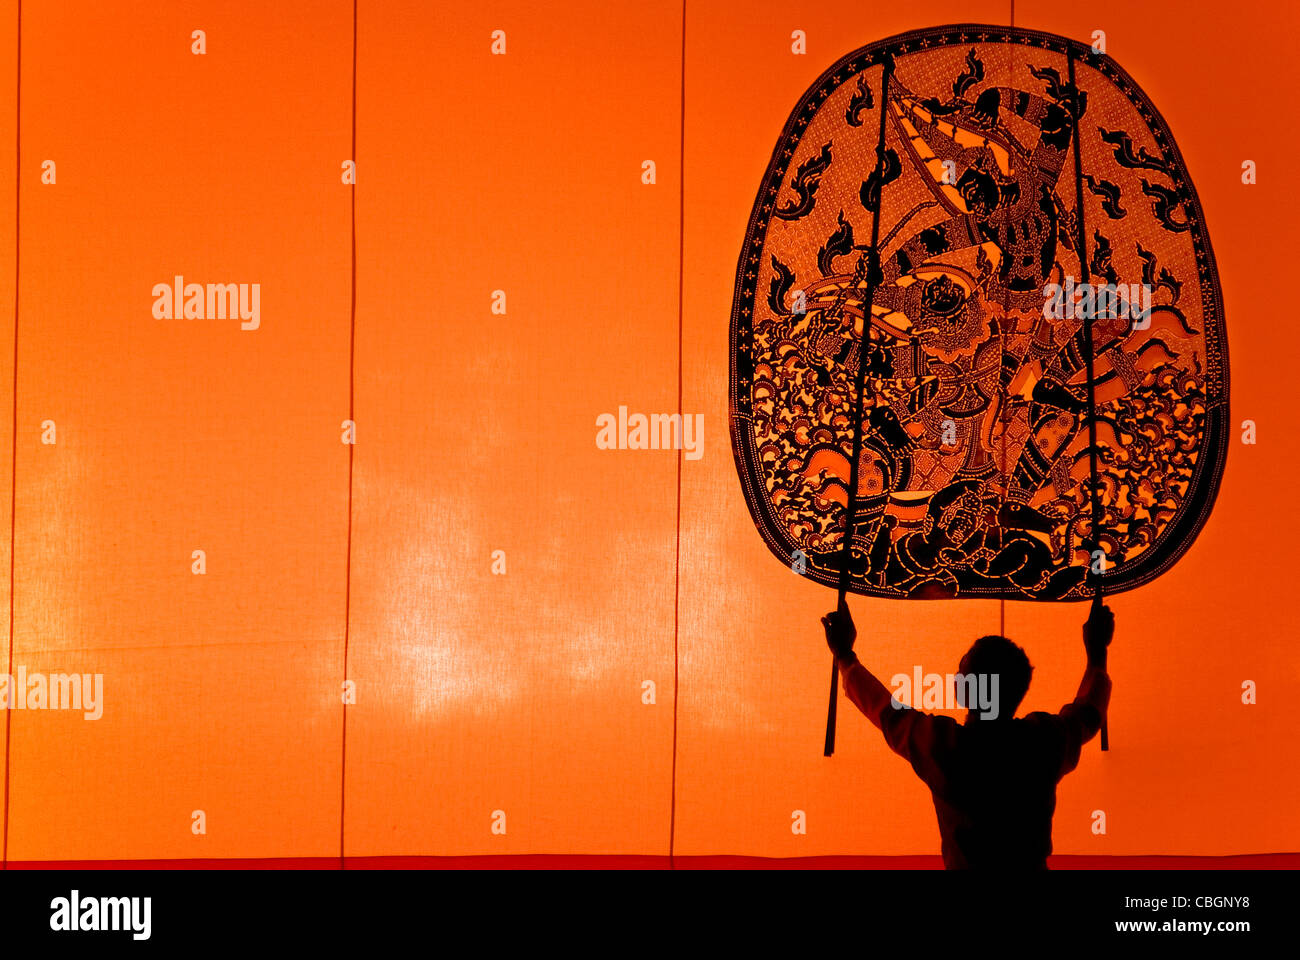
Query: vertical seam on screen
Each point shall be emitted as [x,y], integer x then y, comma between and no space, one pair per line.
[677,549]
[352,354]
[13,465]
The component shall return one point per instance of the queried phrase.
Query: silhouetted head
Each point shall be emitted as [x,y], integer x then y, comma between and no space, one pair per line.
[997,656]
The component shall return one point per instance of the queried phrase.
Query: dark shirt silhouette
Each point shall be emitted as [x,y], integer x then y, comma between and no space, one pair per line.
[993,781]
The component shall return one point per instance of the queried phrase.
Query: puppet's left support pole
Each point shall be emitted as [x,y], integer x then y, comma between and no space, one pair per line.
[873,275]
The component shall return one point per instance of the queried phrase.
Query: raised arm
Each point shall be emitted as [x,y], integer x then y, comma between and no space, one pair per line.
[915,736]
[1081,718]
[867,693]
[1094,688]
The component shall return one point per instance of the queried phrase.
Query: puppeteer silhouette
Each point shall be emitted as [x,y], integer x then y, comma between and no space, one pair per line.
[993,778]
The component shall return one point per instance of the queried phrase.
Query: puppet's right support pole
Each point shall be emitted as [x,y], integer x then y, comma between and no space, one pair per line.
[1082,251]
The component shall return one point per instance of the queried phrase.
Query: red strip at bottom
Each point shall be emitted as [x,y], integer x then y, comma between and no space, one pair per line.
[1262,861]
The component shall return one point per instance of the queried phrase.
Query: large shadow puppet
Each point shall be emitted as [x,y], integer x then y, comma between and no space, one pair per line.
[974,477]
